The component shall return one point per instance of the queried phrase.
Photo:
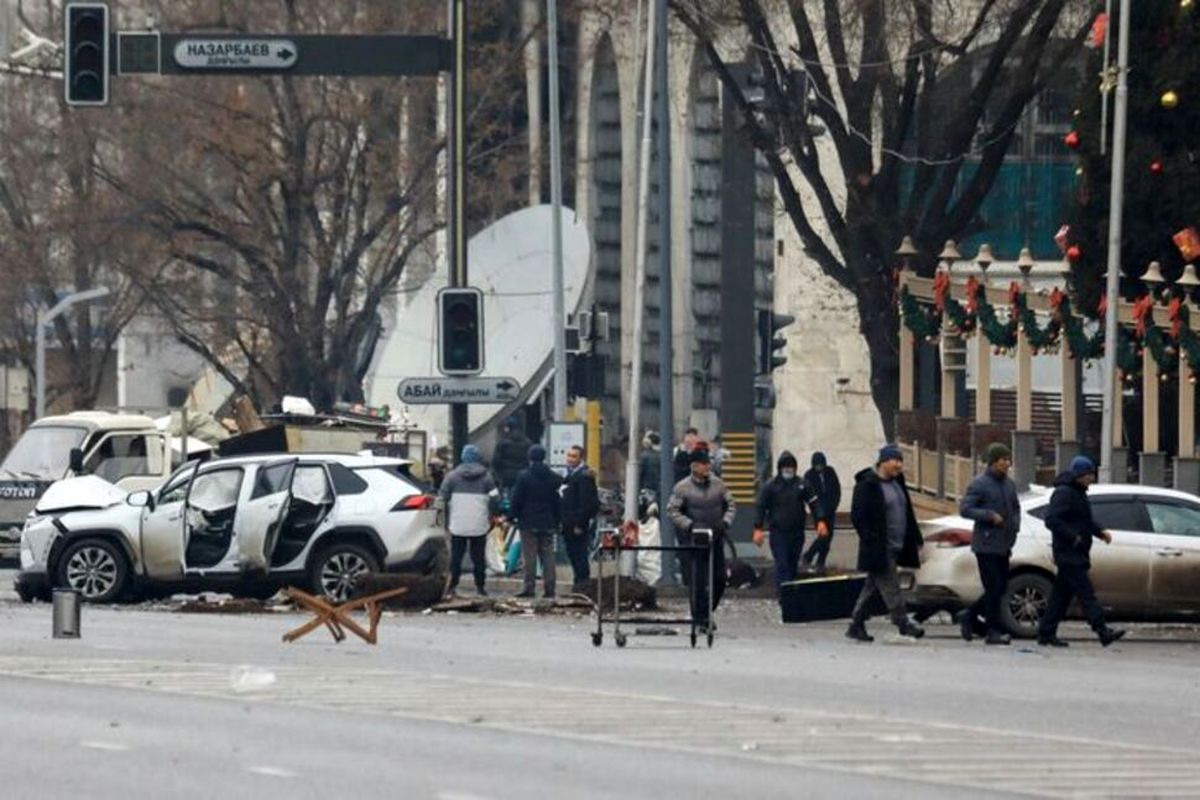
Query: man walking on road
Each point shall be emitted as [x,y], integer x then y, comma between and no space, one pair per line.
[824,481]
[537,510]
[1072,527]
[471,495]
[580,504]
[781,506]
[888,537]
[991,503]
[702,501]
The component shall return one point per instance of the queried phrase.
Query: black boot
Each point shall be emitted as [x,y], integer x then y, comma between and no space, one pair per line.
[1109,635]
[858,632]
[1051,641]
[482,592]
[998,637]
[910,628]
[966,626]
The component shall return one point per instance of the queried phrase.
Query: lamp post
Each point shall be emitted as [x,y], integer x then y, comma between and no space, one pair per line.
[906,252]
[1152,461]
[44,318]
[953,354]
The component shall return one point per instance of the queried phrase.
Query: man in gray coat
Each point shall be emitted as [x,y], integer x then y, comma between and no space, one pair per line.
[471,495]
[991,503]
[702,501]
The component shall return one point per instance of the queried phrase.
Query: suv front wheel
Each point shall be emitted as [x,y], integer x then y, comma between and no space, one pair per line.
[96,568]
[335,571]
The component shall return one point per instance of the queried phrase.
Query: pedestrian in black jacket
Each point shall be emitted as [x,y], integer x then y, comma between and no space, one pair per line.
[1072,527]
[580,504]
[650,464]
[991,503]
[888,537]
[537,510]
[682,456]
[782,506]
[824,481]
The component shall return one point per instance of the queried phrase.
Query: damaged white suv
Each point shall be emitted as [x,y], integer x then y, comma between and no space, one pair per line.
[246,525]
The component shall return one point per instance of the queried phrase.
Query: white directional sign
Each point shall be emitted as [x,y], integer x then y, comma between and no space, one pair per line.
[235,53]
[436,391]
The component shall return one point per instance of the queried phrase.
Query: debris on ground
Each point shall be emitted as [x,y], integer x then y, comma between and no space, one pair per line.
[423,590]
[220,603]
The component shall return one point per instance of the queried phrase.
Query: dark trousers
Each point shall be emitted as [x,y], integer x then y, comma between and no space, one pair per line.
[698,561]
[785,549]
[478,547]
[993,572]
[818,551]
[886,584]
[535,546]
[577,553]
[1072,581]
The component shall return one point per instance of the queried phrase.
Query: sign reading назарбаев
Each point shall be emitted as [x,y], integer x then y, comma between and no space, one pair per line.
[235,53]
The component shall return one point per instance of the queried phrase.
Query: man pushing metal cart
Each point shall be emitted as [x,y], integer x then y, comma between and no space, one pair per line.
[698,561]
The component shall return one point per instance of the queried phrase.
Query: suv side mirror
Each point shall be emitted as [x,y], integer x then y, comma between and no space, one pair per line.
[142,499]
[76,461]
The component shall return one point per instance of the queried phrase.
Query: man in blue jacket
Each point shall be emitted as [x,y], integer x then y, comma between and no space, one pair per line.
[1071,524]
[536,508]
[991,503]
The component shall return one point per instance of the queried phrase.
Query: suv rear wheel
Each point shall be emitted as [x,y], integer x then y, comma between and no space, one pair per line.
[334,572]
[96,568]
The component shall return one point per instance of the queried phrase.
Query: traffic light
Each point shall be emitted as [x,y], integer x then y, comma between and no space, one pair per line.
[460,331]
[768,343]
[85,54]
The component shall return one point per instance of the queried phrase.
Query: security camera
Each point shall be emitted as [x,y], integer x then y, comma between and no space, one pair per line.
[843,381]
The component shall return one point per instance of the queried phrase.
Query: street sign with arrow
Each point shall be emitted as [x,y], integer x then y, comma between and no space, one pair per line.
[443,390]
[218,54]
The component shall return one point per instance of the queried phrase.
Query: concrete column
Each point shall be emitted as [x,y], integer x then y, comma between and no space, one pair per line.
[1064,451]
[1186,446]
[1153,469]
[1024,383]
[983,379]
[1024,448]
[1070,394]
[1120,464]
[907,368]
[1187,475]
[1150,402]
[950,344]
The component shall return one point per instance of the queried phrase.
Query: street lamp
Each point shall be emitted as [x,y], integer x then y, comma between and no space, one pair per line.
[984,259]
[1025,263]
[1153,278]
[44,318]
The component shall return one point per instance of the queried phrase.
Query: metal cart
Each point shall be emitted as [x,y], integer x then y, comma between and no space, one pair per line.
[611,548]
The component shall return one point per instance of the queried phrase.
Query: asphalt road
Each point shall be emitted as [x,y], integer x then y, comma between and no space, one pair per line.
[150,703]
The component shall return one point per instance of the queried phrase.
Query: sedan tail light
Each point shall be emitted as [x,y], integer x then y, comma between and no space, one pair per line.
[414,502]
[951,537]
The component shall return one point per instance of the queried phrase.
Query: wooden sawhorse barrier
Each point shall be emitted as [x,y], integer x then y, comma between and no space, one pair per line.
[335,618]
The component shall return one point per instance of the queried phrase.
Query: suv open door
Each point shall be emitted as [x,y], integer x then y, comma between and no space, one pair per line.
[262,516]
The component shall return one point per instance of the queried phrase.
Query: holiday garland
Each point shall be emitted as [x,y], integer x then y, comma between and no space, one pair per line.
[924,324]
[1039,338]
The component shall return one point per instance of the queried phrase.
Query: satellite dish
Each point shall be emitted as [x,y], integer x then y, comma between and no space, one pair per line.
[509,262]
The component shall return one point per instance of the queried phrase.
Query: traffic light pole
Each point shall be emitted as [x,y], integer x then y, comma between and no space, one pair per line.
[457,195]
[666,349]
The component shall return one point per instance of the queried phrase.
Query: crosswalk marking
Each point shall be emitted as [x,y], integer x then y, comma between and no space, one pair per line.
[937,753]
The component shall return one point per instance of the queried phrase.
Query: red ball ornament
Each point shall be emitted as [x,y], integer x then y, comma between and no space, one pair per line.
[1071,140]
[1156,167]
[1074,253]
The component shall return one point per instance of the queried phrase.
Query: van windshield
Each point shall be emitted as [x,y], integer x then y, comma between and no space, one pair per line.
[44,452]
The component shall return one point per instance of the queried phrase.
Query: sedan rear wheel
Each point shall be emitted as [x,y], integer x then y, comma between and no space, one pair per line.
[1025,602]
[337,569]
[96,568]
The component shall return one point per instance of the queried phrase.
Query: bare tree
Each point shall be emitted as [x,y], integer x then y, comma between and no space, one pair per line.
[907,156]
[287,209]
[60,230]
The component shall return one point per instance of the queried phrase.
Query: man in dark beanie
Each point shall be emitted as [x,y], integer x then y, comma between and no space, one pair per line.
[991,503]
[537,510]
[781,505]
[1071,524]
[702,501]
[888,537]
[824,481]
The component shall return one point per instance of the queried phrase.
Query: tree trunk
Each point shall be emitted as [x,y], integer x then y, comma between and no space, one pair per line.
[880,320]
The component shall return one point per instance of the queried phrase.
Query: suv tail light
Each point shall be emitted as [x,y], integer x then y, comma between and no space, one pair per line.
[951,537]
[414,502]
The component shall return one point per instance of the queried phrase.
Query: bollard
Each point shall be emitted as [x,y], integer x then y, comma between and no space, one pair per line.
[66,614]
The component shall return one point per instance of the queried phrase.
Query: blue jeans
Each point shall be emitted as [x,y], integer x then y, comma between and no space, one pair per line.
[786,549]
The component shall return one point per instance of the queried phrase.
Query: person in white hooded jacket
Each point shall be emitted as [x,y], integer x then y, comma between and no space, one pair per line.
[469,493]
